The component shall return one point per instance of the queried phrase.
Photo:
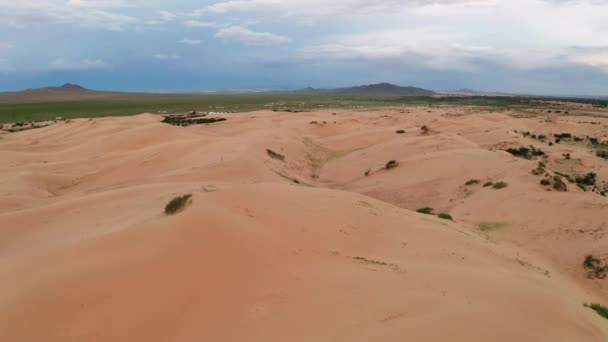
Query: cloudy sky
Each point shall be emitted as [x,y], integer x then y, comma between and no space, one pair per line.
[526,46]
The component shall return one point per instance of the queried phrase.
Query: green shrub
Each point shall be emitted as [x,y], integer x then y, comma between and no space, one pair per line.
[600,309]
[586,180]
[400,131]
[472,182]
[424,129]
[275,155]
[545,182]
[445,216]
[602,154]
[391,164]
[525,152]
[426,210]
[176,204]
[487,184]
[500,185]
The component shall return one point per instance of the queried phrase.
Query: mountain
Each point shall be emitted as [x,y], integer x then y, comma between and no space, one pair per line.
[66,92]
[373,89]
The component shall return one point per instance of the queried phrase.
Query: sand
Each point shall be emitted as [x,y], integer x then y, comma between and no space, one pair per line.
[87,253]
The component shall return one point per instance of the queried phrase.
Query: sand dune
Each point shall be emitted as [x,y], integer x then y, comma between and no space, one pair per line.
[304,249]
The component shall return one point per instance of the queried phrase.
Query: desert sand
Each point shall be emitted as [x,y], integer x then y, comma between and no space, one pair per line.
[308,248]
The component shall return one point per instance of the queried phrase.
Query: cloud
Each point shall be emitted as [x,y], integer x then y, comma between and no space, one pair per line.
[245,36]
[596,59]
[166,57]
[167,16]
[61,64]
[198,23]
[93,14]
[188,41]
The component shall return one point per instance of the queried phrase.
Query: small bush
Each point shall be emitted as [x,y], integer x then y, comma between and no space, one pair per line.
[472,182]
[400,131]
[586,180]
[487,184]
[176,204]
[545,182]
[525,152]
[500,185]
[567,156]
[368,172]
[595,267]
[391,164]
[602,154]
[425,129]
[558,184]
[426,210]
[600,309]
[445,216]
[275,155]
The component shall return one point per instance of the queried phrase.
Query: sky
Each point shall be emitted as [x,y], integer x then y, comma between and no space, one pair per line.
[552,47]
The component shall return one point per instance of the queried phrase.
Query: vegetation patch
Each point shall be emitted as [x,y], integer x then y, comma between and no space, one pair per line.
[525,152]
[586,180]
[426,210]
[445,216]
[187,120]
[425,129]
[500,185]
[177,204]
[595,268]
[472,182]
[374,262]
[275,155]
[599,308]
[400,131]
[491,226]
[559,184]
[391,164]
[545,182]
[488,184]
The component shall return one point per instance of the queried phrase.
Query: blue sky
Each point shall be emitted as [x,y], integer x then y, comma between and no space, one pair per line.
[524,46]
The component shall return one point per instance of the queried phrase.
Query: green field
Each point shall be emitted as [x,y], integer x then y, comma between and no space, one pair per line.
[132,104]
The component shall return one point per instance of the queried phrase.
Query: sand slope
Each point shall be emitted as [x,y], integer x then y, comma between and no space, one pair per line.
[88,254]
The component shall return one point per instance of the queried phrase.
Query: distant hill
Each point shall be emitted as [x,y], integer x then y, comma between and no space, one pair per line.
[374,89]
[66,92]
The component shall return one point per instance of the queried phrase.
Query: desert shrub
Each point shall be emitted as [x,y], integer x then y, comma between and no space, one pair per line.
[275,155]
[595,267]
[557,141]
[567,156]
[602,154]
[367,172]
[586,180]
[558,184]
[472,182]
[176,204]
[550,143]
[599,308]
[525,152]
[400,131]
[426,210]
[184,120]
[391,164]
[563,136]
[425,129]
[545,182]
[500,185]
[487,184]
[445,216]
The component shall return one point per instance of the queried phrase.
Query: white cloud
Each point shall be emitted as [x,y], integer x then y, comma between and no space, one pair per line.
[166,57]
[245,36]
[61,64]
[167,16]
[93,14]
[596,59]
[188,41]
[198,23]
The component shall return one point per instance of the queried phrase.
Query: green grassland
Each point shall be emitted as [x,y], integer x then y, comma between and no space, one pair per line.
[131,104]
